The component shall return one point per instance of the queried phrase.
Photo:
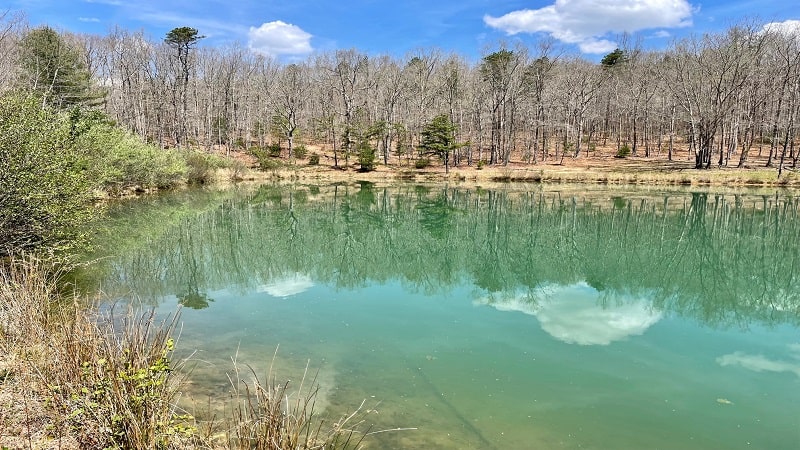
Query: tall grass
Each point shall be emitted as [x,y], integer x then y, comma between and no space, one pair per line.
[267,414]
[97,381]
[73,377]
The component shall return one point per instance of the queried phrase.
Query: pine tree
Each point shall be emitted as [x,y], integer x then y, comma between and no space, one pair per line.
[53,70]
[438,138]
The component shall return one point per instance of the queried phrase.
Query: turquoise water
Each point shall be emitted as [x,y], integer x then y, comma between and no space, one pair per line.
[495,319]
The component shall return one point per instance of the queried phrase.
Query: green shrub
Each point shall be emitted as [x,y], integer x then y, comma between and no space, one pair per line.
[270,164]
[169,168]
[257,151]
[313,160]
[422,163]
[366,157]
[264,158]
[202,167]
[623,151]
[122,161]
[45,184]
[274,150]
[480,164]
[300,151]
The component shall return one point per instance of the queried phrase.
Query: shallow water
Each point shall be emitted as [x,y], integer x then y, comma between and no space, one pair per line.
[495,319]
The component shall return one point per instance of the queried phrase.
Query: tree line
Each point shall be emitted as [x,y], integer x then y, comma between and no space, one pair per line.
[59,150]
[723,96]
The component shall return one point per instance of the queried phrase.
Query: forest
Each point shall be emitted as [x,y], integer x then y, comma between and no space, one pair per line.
[725,97]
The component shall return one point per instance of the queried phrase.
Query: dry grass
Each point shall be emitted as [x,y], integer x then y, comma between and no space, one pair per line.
[601,167]
[72,379]
[267,414]
[89,381]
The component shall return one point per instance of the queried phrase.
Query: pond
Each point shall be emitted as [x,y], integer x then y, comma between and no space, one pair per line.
[549,317]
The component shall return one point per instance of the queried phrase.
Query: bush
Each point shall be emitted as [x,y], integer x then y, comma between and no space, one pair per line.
[300,151]
[481,163]
[238,169]
[366,157]
[202,167]
[623,151]
[45,184]
[105,382]
[313,160]
[422,163]
[122,161]
[274,150]
[265,161]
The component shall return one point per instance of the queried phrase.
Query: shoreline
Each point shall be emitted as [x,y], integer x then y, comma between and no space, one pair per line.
[632,171]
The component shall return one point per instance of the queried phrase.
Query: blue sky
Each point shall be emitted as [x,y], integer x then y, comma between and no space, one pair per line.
[290,29]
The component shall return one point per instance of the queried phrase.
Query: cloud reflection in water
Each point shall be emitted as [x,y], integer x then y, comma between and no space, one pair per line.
[287,285]
[760,363]
[574,314]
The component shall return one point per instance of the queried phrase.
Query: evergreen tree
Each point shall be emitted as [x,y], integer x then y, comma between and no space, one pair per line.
[53,70]
[438,138]
[182,39]
[612,59]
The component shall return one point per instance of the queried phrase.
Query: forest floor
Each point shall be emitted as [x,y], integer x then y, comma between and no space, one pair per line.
[601,167]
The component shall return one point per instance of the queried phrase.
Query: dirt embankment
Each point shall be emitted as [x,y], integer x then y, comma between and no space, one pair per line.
[601,167]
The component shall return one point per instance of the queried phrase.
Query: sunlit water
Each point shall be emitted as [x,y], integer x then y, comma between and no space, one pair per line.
[493,319]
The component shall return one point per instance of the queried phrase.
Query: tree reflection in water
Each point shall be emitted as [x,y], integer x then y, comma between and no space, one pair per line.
[725,259]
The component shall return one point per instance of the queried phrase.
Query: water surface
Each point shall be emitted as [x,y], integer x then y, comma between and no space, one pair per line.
[493,319]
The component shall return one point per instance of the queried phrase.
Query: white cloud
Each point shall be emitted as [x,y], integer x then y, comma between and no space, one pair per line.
[759,363]
[88,19]
[597,46]
[278,38]
[287,286]
[572,314]
[787,27]
[586,22]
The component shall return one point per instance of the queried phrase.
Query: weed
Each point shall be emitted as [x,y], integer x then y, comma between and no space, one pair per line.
[269,415]
[104,382]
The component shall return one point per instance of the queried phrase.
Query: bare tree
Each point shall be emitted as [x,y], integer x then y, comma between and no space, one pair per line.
[709,74]
[346,74]
[500,71]
[291,94]
[11,25]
